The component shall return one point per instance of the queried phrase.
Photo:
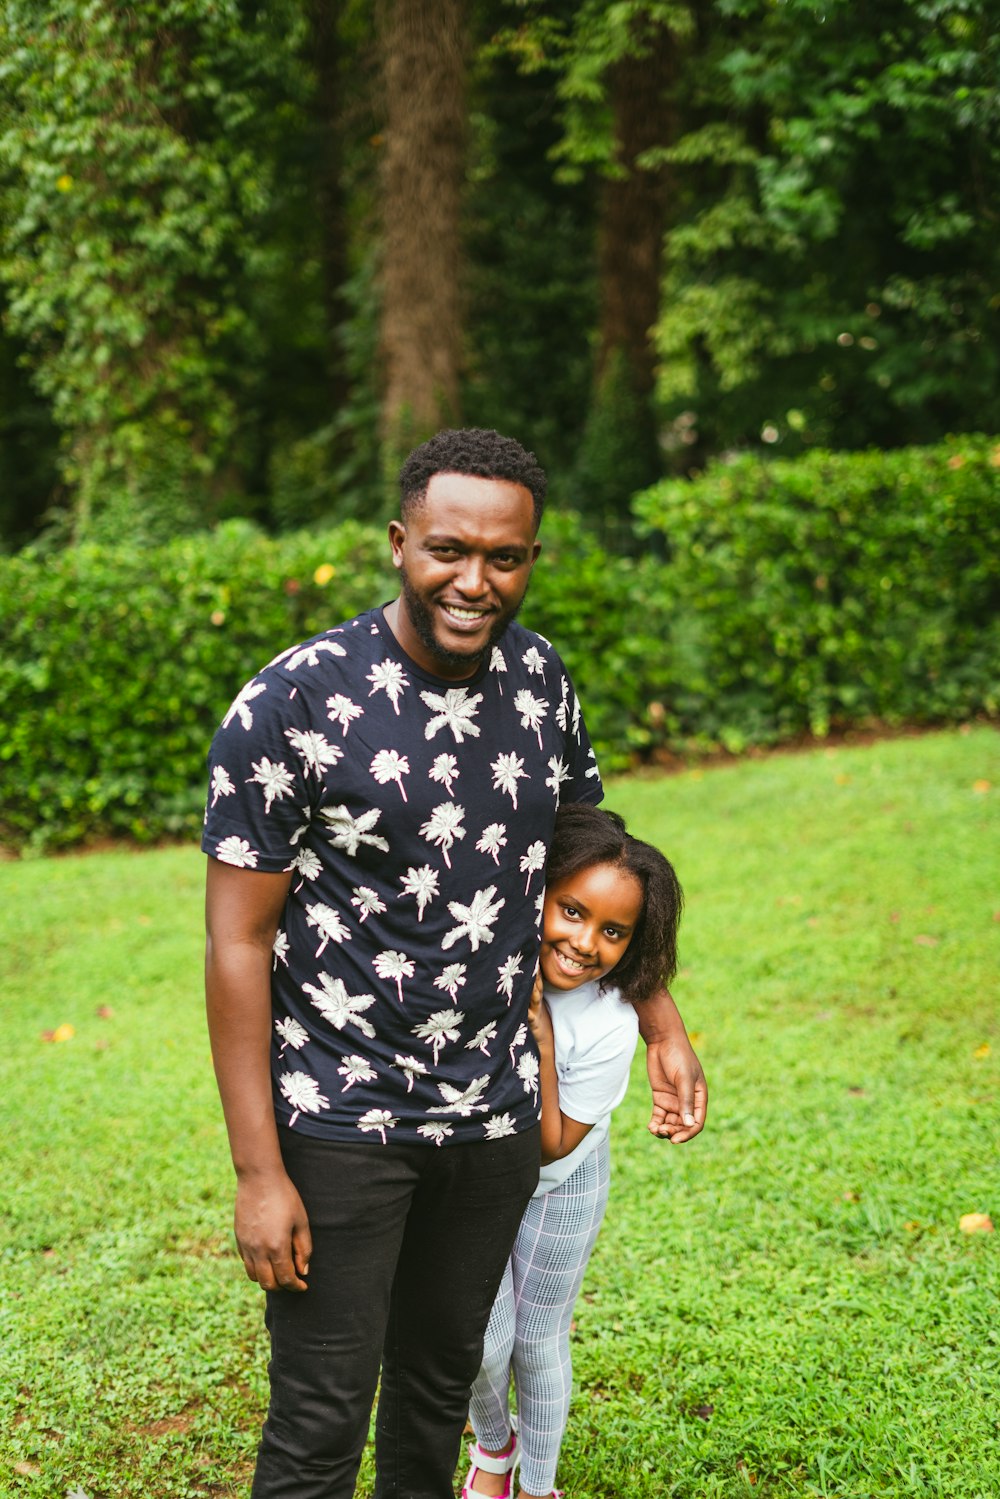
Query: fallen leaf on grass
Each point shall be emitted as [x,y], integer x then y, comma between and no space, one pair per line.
[976,1223]
[924,940]
[27,1470]
[894,916]
[980,787]
[982,1051]
[842,779]
[851,1196]
[914,1227]
[61,1033]
[104,1012]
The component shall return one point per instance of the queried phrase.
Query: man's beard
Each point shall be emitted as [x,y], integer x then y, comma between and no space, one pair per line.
[422,620]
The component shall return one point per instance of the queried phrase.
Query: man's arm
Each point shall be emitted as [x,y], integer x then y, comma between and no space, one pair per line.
[242,911]
[680,1093]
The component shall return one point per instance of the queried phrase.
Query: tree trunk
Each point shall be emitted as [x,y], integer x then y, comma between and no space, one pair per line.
[619,451]
[328,123]
[423,44]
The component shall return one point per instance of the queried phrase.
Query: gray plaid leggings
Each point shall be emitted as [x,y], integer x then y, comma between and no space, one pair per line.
[528,1332]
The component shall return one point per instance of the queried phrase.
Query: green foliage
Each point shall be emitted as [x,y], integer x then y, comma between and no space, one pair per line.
[831,589]
[797,597]
[119,663]
[786,1298]
[133,180]
[831,272]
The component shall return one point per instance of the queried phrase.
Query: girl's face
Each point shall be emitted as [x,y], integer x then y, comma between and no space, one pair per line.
[587,924]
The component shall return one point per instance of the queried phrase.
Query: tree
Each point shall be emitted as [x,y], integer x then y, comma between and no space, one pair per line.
[423,49]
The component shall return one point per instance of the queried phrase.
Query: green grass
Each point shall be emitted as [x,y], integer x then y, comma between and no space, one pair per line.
[785,1306]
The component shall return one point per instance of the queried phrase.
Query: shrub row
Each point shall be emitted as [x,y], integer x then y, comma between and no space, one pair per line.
[832,589]
[794,596]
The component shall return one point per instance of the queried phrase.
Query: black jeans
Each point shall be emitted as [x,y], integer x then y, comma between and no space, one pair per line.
[409,1244]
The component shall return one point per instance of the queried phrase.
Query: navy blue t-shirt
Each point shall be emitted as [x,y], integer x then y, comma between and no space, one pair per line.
[415,816]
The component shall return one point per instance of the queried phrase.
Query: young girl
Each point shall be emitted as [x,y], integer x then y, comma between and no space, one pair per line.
[609,935]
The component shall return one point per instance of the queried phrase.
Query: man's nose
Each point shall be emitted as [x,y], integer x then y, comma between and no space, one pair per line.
[471,577]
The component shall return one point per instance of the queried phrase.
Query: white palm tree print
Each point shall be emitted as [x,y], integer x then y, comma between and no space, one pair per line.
[560,773]
[527,1071]
[499,1126]
[445,770]
[520,1036]
[444,826]
[343,710]
[476,919]
[280,948]
[292,1033]
[307,864]
[326,921]
[508,971]
[507,771]
[532,861]
[562,712]
[592,770]
[494,838]
[412,1067]
[390,765]
[423,883]
[236,851]
[532,710]
[340,1008]
[499,665]
[223,786]
[455,710]
[356,1070]
[437,1131]
[390,678]
[240,706]
[293,658]
[314,748]
[350,832]
[438,1028]
[394,965]
[451,979]
[367,901]
[534,661]
[481,1040]
[465,1101]
[377,1119]
[302,1092]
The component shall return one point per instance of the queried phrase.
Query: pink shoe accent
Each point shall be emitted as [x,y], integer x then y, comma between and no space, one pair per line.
[505,1464]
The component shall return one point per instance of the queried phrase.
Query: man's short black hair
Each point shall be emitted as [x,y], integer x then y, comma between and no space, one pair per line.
[471,450]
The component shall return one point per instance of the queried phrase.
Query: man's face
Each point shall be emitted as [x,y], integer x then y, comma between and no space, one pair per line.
[464,559]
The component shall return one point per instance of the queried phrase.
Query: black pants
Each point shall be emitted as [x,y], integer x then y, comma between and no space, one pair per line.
[409,1244]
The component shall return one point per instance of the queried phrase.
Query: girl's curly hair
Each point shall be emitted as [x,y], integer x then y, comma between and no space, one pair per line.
[585,835]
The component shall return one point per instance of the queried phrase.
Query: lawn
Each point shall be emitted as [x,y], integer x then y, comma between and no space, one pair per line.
[785,1306]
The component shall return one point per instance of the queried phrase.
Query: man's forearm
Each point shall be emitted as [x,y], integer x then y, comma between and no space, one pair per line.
[237,988]
[660,1019]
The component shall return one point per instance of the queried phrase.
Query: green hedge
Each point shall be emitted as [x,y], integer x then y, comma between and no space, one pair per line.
[795,596]
[118,662]
[831,589]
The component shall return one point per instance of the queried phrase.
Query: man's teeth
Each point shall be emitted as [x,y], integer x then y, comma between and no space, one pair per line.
[464,613]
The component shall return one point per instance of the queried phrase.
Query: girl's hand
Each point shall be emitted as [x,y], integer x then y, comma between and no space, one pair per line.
[538,1016]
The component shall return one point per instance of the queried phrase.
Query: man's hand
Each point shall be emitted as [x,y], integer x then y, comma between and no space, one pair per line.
[272,1232]
[680,1093]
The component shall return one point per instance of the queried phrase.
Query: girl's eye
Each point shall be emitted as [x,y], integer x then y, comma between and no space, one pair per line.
[570,911]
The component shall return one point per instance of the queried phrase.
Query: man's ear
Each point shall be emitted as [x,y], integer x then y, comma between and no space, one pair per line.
[535,550]
[397,535]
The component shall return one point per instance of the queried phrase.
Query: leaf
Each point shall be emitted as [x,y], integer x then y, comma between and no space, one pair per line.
[61,1033]
[28,1470]
[924,940]
[976,1223]
[104,1012]
[982,1051]
[980,787]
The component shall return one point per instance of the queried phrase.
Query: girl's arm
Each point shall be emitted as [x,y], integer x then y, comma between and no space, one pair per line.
[560,1133]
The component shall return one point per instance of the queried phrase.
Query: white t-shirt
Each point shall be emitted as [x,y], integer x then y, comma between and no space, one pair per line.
[595,1036]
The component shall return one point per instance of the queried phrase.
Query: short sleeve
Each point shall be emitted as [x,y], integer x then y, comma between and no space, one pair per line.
[594,1082]
[580,776]
[261,762]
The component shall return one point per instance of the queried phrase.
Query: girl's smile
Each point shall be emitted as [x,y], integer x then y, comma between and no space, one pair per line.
[587,924]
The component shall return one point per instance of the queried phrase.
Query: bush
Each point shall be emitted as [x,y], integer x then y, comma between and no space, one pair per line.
[830,589]
[120,662]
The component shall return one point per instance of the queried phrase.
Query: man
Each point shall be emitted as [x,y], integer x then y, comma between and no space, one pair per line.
[381,803]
